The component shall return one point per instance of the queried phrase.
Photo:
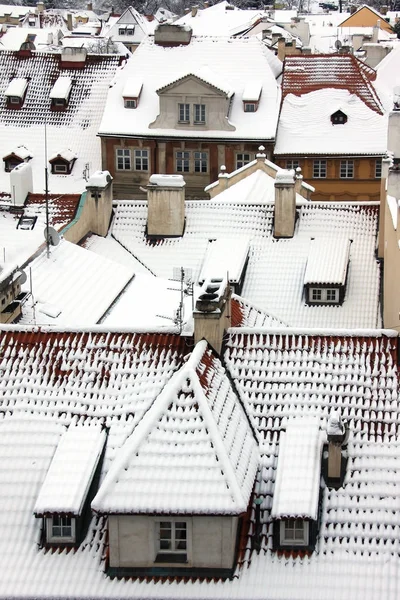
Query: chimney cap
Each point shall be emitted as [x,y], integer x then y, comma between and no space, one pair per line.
[336,430]
[167,180]
[284,177]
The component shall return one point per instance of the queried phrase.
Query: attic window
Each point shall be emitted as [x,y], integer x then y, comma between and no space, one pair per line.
[250,107]
[131,93]
[16,92]
[60,529]
[338,118]
[251,96]
[326,271]
[60,93]
[62,163]
[293,532]
[15,158]
[172,541]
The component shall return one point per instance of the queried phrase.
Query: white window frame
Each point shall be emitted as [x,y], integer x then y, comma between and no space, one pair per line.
[320,168]
[51,538]
[174,552]
[289,525]
[130,103]
[324,295]
[182,161]
[378,168]
[14,99]
[183,112]
[199,114]
[241,159]
[346,169]
[141,159]
[250,107]
[200,161]
[123,159]
[60,168]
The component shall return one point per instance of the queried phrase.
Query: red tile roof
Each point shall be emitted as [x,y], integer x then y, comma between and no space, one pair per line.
[305,74]
[62,208]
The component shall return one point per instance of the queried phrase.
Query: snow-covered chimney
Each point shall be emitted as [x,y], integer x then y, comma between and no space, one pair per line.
[40,7]
[171,34]
[212,315]
[166,205]
[21,183]
[285,204]
[69,22]
[99,200]
[194,10]
[336,433]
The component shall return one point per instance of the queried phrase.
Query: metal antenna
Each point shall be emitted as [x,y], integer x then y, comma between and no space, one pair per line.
[46,189]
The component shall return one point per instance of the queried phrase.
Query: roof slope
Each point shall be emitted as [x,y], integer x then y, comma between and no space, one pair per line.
[366,16]
[193,452]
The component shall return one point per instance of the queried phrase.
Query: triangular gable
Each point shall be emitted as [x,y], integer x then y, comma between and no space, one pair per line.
[367,17]
[201,79]
[193,452]
[131,17]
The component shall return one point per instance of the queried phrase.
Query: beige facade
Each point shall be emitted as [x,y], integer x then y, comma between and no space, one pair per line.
[391,279]
[211,541]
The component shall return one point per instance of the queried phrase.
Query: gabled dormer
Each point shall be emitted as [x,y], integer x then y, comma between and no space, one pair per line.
[327,266]
[62,163]
[69,485]
[338,118]
[59,95]
[131,93]
[251,96]
[16,92]
[16,157]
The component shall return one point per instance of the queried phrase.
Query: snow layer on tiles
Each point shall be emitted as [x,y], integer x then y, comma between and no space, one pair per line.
[61,88]
[328,261]
[221,19]
[274,279]
[225,255]
[193,452]
[148,64]
[16,87]
[299,470]
[365,131]
[70,474]
[80,284]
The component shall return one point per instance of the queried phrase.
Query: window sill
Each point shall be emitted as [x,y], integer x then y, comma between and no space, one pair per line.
[171,558]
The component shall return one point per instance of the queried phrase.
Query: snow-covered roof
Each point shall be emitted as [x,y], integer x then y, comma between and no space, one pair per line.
[160,469]
[222,19]
[252,91]
[21,151]
[220,62]
[75,128]
[298,472]
[328,261]
[71,472]
[225,256]
[61,88]
[132,88]
[130,19]
[42,39]
[16,87]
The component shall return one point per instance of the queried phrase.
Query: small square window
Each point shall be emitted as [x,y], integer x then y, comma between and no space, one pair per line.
[172,541]
[332,295]
[249,107]
[183,113]
[319,169]
[292,164]
[14,100]
[130,103]
[243,159]
[294,532]
[60,168]
[60,529]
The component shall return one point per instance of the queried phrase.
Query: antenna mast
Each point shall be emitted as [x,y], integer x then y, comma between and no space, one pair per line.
[46,190]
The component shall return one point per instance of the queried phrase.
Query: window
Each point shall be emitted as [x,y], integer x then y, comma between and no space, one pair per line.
[319,170]
[338,118]
[324,295]
[294,532]
[172,541]
[182,162]
[60,168]
[249,107]
[243,159]
[378,168]
[11,163]
[141,160]
[60,529]
[123,159]
[121,30]
[14,100]
[199,113]
[130,103]
[183,113]
[130,30]
[346,169]
[292,164]
[200,162]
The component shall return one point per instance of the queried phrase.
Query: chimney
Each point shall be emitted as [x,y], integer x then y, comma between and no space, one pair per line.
[194,10]
[99,201]
[384,9]
[171,34]
[206,4]
[69,22]
[40,7]
[89,6]
[212,315]
[166,205]
[337,434]
[285,204]
[21,183]
[186,11]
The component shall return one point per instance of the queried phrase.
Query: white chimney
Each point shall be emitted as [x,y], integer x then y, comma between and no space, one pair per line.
[285,204]
[166,205]
[99,200]
[212,315]
[21,183]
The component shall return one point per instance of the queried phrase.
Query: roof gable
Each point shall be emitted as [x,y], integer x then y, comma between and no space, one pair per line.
[193,452]
[366,16]
[197,85]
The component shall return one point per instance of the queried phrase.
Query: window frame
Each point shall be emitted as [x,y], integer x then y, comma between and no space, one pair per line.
[141,159]
[323,293]
[60,168]
[181,162]
[346,169]
[339,118]
[284,540]
[172,555]
[250,107]
[240,159]
[292,163]
[200,161]
[130,102]
[378,168]
[125,157]
[320,168]
[60,539]
[199,114]
[184,112]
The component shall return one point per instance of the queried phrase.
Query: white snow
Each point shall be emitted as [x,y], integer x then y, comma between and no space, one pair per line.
[225,256]
[252,91]
[61,88]
[16,87]
[328,261]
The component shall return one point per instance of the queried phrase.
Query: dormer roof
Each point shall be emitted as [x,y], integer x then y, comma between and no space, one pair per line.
[328,261]
[65,154]
[17,87]
[193,452]
[61,89]
[204,75]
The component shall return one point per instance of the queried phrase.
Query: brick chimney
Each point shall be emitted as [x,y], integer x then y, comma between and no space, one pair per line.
[99,201]
[285,204]
[166,205]
[212,315]
[337,433]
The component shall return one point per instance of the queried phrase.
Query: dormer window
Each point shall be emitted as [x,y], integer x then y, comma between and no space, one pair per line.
[16,92]
[60,529]
[251,96]
[62,163]
[131,93]
[326,271]
[15,158]
[60,93]
[338,118]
